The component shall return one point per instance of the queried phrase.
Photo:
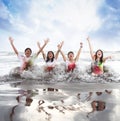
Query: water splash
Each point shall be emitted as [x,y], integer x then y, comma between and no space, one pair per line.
[58,74]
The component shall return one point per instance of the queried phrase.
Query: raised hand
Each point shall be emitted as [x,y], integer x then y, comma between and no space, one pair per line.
[46,40]
[88,38]
[11,40]
[81,44]
[60,45]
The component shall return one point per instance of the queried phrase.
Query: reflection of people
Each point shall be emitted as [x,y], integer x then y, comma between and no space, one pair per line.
[98,60]
[84,97]
[71,61]
[28,101]
[27,60]
[97,105]
[107,91]
[89,97]
[50,58]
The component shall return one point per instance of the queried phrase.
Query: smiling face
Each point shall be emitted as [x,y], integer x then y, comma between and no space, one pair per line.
[28,52]
[50,55]
[99,54]
[70,55]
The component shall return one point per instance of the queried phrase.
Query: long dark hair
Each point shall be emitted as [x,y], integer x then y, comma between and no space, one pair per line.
[48,59]
[101,58]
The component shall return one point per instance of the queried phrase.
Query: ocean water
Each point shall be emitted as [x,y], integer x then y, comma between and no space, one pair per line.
[36,95]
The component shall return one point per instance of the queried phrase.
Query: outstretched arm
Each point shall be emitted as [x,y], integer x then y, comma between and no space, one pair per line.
[59,48]
[14,48]
[106,58]
[90,47]
[41,48]
[93,104]
[79,51]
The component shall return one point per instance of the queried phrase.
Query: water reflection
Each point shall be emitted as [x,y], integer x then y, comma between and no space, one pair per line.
[47,103]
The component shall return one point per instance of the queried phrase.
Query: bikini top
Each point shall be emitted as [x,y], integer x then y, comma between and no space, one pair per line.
[70,66]
[98,63]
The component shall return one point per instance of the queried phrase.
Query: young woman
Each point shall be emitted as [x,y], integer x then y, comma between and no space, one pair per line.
[98,60]
[50,59]
[71,60]
[27,60]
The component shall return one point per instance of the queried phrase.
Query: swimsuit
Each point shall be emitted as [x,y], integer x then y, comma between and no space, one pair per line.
[70,66]
[50,68]
[97,67]
[26,61]
[50,65]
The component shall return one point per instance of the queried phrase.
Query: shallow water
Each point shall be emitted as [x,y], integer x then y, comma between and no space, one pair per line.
[38,96]
[25,101]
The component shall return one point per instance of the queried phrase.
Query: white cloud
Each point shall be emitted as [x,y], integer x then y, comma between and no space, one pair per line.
[4,13]
[66,20]
[78,14]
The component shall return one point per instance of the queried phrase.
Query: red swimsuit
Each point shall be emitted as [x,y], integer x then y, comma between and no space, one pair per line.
[71,67]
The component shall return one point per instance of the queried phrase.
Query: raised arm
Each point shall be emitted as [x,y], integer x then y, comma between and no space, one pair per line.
[59,48]
[41,48]
[90,47]
[79,51]
[14,48]
[63,55]
[93,104]
[43,54]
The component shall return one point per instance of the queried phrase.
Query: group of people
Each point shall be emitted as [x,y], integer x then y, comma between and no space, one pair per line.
[51,58]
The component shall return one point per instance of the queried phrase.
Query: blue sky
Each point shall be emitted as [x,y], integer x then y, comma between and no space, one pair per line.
[29,21]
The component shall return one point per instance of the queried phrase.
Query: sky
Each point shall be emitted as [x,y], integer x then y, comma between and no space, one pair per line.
[71,21]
